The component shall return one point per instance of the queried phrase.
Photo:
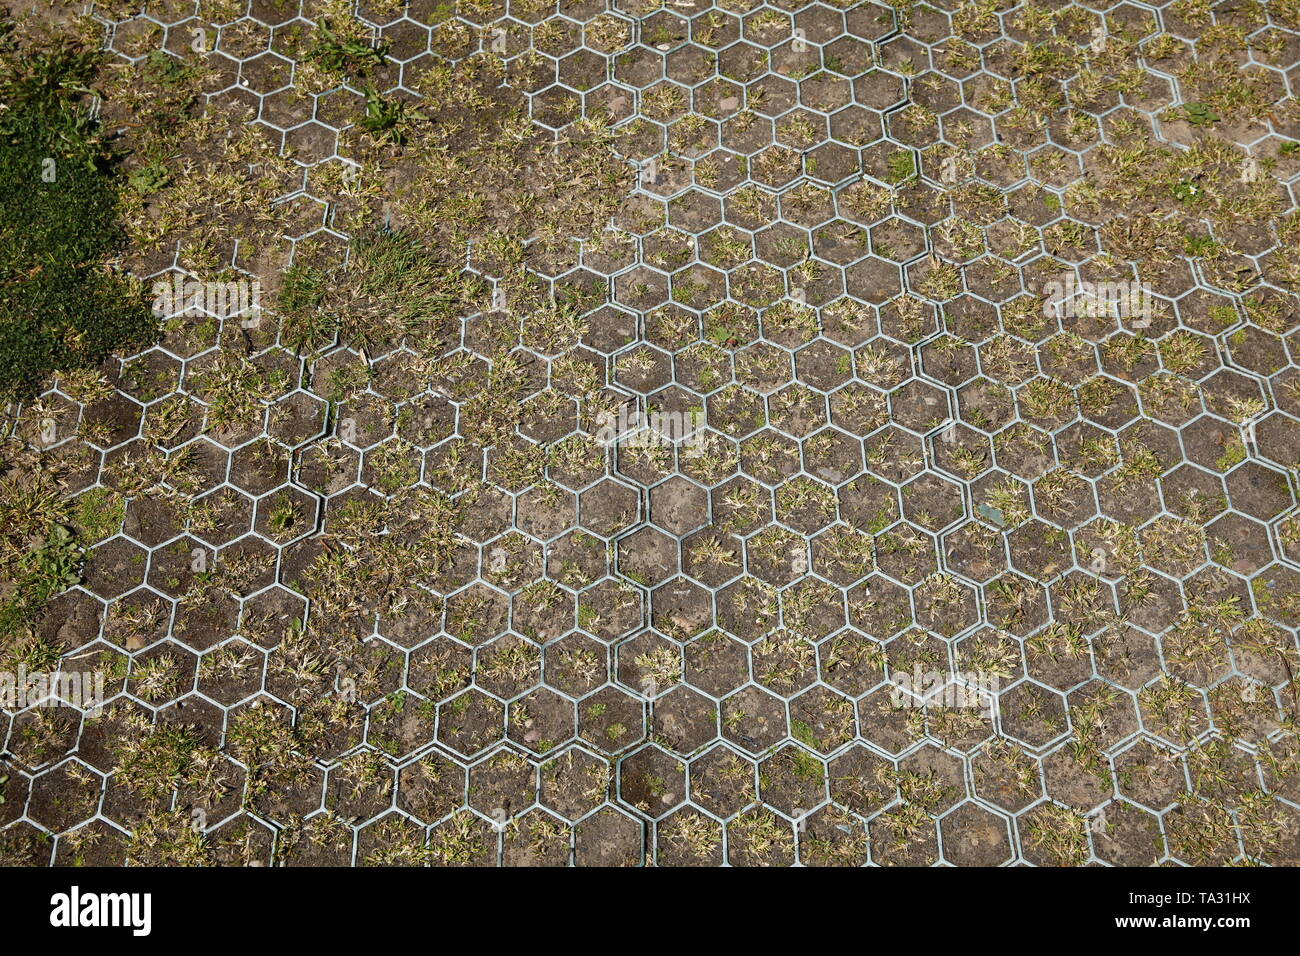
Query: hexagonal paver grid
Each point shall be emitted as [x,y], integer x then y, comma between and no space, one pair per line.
[718,433]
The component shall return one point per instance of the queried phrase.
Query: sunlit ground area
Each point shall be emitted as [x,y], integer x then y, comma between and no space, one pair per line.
[676,433]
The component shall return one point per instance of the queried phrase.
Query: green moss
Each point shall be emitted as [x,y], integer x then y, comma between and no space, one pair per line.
[1234,453]
[806,765]
[902,166]
[803,732]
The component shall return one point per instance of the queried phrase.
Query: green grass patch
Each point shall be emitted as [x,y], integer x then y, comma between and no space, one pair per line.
[41,574]
[61,307]
[392,286]
[98,514]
